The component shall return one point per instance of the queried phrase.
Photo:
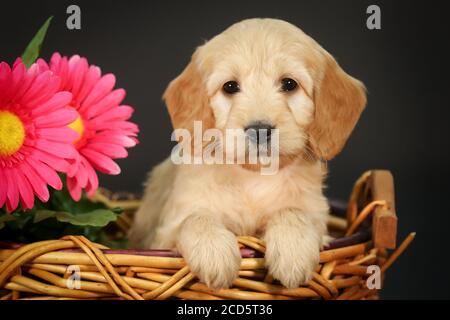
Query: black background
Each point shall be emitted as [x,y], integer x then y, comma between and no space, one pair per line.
[404,66]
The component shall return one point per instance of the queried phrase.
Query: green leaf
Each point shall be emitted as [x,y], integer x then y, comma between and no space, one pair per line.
[21,219]
[60,216]
[96,218]
[41,215]
[31,53]
[5,218]
[117,210]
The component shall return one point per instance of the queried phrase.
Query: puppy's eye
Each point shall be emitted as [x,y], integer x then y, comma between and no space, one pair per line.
[231,87]
[288,84]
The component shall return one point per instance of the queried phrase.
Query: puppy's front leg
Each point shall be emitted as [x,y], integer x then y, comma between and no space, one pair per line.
[293,241]
[211,251]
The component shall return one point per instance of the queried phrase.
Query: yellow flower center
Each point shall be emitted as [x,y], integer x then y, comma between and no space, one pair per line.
[78,126]
[12,133]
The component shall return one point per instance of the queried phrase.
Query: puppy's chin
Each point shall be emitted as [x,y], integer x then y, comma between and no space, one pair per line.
[283,161]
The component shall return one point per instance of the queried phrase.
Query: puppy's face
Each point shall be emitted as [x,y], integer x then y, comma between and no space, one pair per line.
[258,78]
[268,74]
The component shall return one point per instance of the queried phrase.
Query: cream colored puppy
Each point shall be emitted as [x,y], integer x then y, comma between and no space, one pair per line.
[259,73]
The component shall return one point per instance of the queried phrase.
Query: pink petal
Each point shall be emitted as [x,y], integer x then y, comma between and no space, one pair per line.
[63,134]
[18,61]
[42,64]
[56,163]
[100,90]
[73,61]
[12,192]
[37,86]
[81,175]
[136,140]
[60,99]
[110,101]
[118,125]
[111,150]
[114,114]
[16,79]
[46,173]
[90,79]
[39,186]
[60,66]
[3,188]
[114,138]
[74,189]
[101,162]
[73,168]
[62,150]
[55,60]
[5,74]
[78,74]
[25,190]
[26,82]
[92,185]
[47,92]
[61,117]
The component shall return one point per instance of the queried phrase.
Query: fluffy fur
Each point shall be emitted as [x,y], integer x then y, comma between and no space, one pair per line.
[199,209]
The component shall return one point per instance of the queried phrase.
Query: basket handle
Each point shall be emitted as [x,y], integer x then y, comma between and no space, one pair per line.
[384,220]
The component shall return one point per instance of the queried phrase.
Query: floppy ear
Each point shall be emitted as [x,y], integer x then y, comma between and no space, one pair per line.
[339,100]
[187,100]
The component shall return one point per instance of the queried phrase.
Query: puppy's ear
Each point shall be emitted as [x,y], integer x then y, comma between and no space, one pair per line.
[187,100]
[339,100]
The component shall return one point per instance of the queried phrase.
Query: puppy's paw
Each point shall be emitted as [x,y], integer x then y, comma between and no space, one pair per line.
[215,260]
[291,258]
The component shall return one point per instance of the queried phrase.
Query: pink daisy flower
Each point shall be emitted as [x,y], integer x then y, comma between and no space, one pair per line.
[101,123]
[34,139]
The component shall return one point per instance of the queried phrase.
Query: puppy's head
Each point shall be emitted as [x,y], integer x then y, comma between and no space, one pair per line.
[263,74]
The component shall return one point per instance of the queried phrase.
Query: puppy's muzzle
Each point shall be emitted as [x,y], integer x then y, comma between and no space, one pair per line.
[259,132]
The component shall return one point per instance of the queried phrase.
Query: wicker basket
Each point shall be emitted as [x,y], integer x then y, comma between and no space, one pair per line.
[44,270]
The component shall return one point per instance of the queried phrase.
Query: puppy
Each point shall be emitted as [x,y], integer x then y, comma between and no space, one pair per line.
[259,73]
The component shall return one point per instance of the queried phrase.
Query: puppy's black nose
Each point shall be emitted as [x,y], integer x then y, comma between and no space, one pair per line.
[259,131]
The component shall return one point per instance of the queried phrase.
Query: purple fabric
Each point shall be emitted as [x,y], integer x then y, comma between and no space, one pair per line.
[359,237]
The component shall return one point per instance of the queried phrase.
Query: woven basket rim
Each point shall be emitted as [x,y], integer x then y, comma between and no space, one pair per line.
[38,270]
